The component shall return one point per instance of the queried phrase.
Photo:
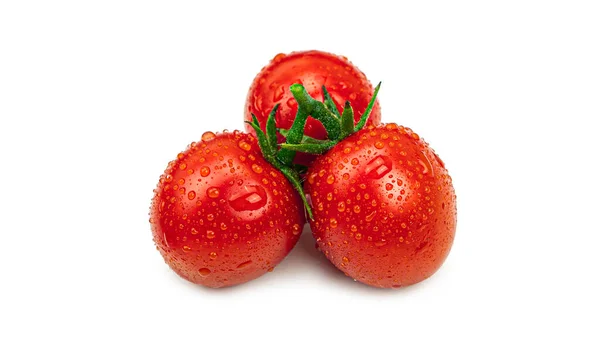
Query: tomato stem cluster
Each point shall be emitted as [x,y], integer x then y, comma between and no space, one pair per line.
[338,127]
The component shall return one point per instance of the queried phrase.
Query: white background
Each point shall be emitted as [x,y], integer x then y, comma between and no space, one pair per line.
[96,98]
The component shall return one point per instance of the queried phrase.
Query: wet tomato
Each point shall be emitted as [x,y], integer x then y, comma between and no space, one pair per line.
[313,69]
[221,215]
[384,206]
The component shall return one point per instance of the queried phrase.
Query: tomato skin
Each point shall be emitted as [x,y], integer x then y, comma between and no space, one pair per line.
[384,207]
[221,215]
[312,69]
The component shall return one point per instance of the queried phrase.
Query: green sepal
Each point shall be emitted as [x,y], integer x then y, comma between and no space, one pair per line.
[363,119]
[329,103]
[271,130]
[268,152]
[347,120]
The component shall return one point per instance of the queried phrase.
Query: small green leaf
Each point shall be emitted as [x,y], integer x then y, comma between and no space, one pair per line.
[262,142]
[363,119]
[347,120]
[271,129]
[329,103]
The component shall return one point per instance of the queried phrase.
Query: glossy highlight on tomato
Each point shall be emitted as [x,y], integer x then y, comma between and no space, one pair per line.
[312,69]
[384,207]
[221,215]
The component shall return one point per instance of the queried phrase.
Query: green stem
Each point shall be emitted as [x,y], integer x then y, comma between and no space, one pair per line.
[317,110]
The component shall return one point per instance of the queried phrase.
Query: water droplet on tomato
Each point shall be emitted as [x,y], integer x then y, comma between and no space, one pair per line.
[191,195]
[291,103]
[378,167]
[330,179]
[341,206]
[379,145]
[244,145]
[204,272]
[257,168]
[370,217]
[345,259]
[425,163]
[208,136]
[244,264]
[356,209]
[296,229]
[353,228]
[187,249]
[213,192]
[212,255]
[248,198]
[258,103]
[194,231]
[204,171]
[278,94]
[210,217]
[333,223]
[168,178]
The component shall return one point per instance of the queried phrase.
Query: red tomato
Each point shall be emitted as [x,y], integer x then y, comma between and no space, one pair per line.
[221,215]
[313,69]
[384,207]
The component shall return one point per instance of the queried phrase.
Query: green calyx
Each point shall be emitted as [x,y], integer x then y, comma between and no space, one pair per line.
[337,126]
[327,113]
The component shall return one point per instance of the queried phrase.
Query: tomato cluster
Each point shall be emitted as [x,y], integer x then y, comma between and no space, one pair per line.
[379,200]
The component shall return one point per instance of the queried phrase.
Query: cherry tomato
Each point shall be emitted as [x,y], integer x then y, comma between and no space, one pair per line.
[313,69]
[384,207]
[221,215]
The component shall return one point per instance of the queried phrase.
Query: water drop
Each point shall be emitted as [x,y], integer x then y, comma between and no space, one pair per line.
[182,166]
[370,217]
[353,228]
[356,209]
[204,272]
[187,249]
[212,255]
[213,192]
[378,167]
[345,259]
[296,229]
[191,195]
[341,206]
[244,264]
[204,171]
[210,234]
[278,94]
[208,136]
[244,145]
[257,168]
[333,223]
[248,198]
[223,226]
[379,145]
[168,178]
[330,179]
